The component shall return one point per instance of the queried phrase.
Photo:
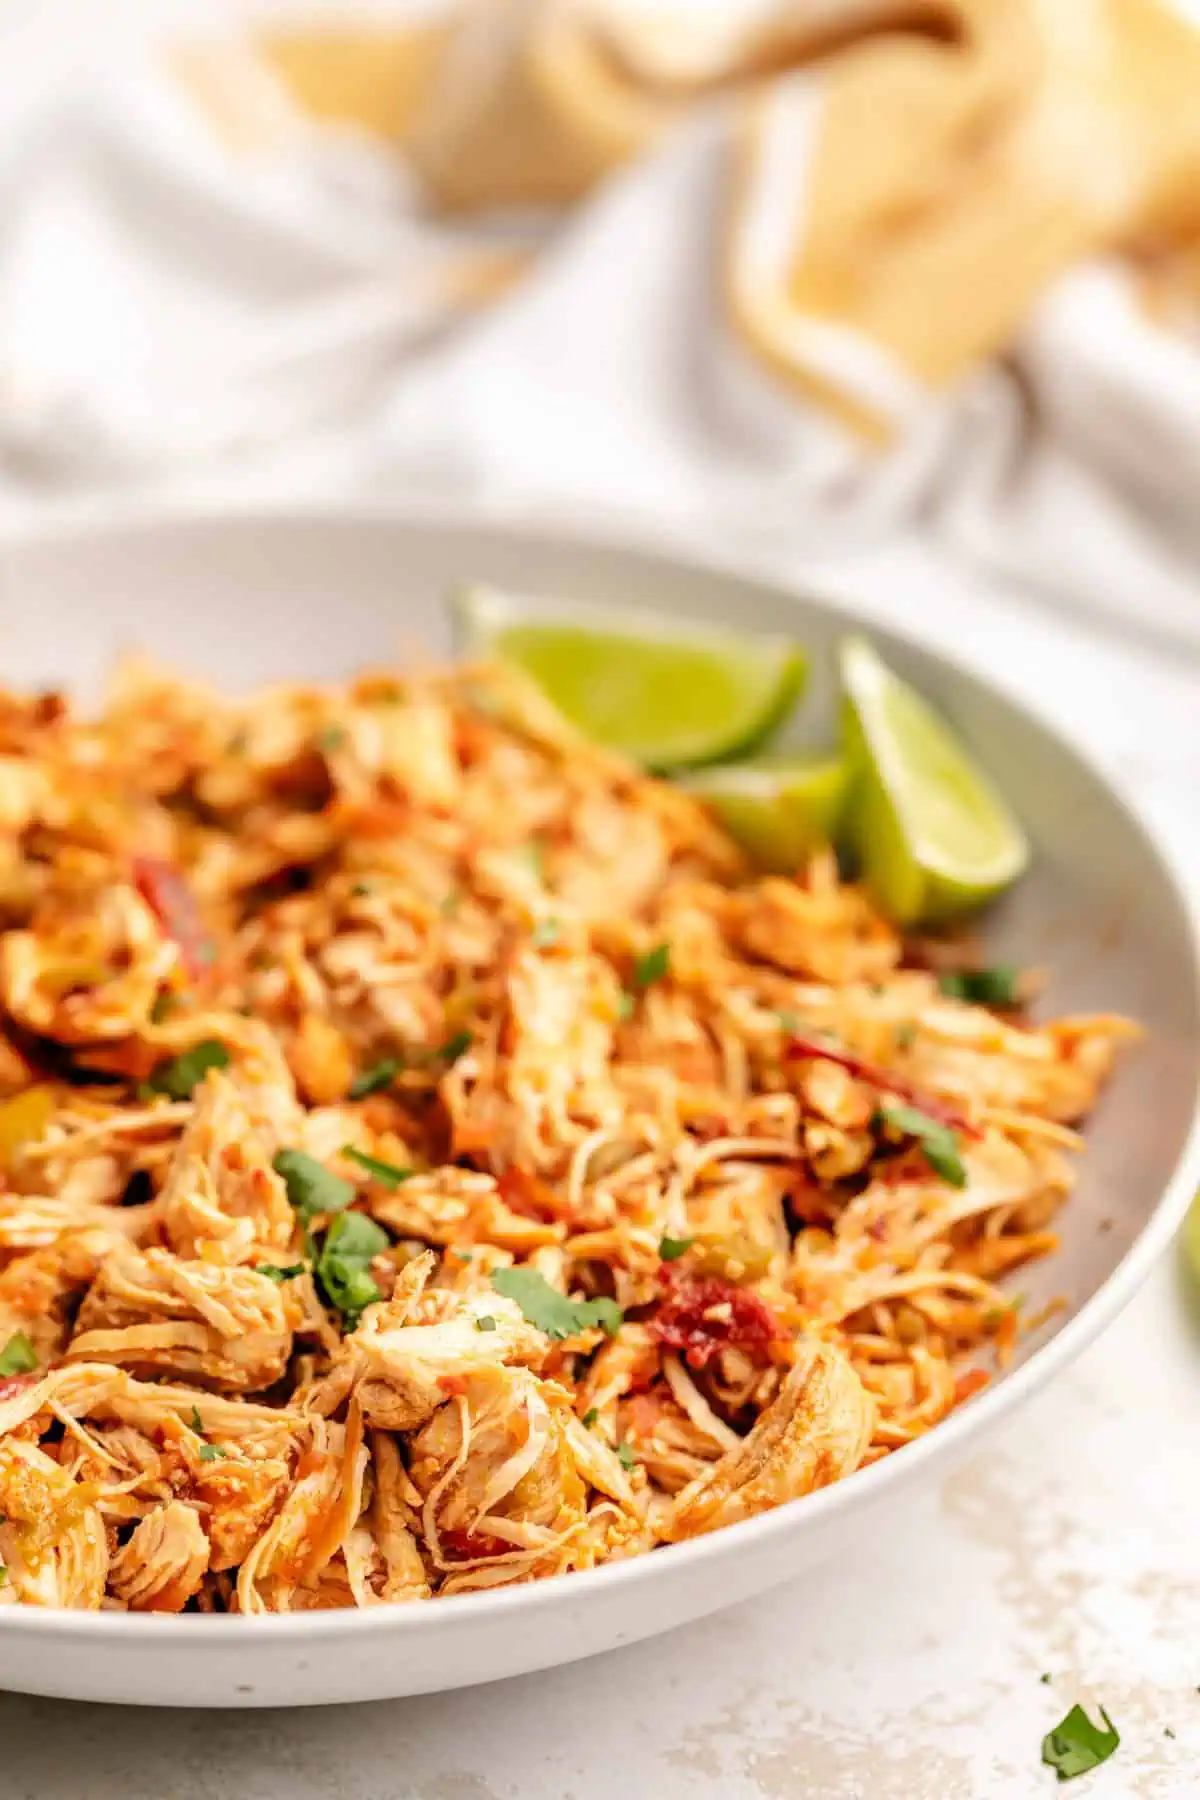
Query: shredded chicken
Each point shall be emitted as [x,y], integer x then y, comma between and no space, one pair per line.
[815,1431]
[430,1158]
[163,1563]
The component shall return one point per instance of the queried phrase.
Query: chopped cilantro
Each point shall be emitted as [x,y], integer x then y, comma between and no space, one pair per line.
[311,1187]
[361,889]
[3,1576]
[207,1452]
[332,738]
[590,1416]
[181,1074]
[18,1356]
[164,1006]
[545,933]
[551,1311]
[1045,1679]
[390,1174]
[625,1456]
[1076,1745]
[273,1272]
[1168,1732]
[670,1249]
[485,1322]
[996,986]
[355,1234]
[350,1243]
[652,967]
[938,1143]
[384,1072]
[789,1022]
[904,1033]
[379,1075]
[625,1004]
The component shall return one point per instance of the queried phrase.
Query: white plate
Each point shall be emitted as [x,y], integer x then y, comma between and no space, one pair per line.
[252,598]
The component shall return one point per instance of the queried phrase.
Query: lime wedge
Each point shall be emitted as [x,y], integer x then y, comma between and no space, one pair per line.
[779,808]
[932,834]
[671,696]
[1191,1237]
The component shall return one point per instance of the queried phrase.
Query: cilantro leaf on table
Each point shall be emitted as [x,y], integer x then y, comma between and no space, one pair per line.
[1077,1745]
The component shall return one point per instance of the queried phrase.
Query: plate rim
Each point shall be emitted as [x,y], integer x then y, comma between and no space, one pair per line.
[107,519]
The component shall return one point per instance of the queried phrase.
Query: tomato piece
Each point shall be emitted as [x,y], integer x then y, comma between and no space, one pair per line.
[173,904]
[968,1383]
[701,1314]
[642,1414]
[528,1196]
[12,1385]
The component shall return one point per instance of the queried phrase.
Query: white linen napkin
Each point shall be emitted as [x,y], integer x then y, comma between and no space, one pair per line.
[174,295]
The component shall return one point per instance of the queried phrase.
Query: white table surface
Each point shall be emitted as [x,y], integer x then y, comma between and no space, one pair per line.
[1067,1546]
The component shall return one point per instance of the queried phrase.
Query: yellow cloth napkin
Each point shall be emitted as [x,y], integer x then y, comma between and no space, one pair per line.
[905,179]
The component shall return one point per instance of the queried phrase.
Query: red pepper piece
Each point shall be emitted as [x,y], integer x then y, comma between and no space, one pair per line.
[173,904]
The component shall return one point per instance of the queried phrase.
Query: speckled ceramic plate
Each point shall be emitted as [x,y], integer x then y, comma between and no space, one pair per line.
[246,599]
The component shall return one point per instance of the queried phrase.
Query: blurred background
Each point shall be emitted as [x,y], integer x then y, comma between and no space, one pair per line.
[797,276]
